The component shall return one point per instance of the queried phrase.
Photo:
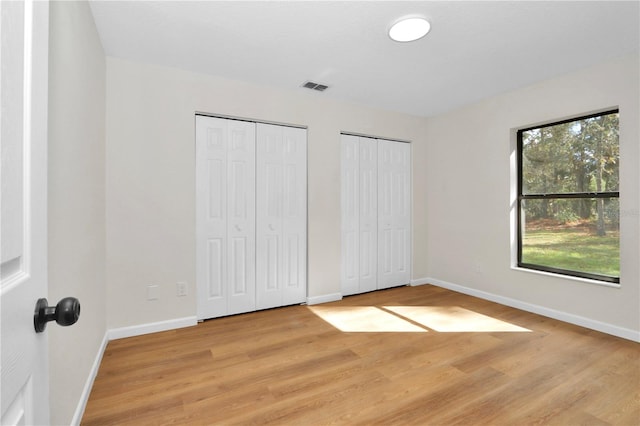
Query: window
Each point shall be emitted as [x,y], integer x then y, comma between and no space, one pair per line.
[568,210]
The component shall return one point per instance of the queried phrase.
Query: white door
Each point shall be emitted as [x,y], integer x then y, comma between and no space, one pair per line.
[350,187]
[225,216]
[359,214]
[281,222]
[394,218]
[368,215]
[23,254]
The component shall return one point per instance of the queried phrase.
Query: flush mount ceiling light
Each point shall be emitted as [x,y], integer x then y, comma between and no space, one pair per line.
[409,29]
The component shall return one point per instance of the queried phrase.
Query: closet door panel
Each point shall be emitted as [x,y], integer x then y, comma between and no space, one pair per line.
[282,216]
[394,213]
[368,214]
[402,213]
[241,209]
[294,226]
[269,169]
[350,228]
[385,214]
[211,216]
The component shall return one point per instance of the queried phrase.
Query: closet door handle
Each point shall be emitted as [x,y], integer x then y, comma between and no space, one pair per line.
[238,227]
[272,228]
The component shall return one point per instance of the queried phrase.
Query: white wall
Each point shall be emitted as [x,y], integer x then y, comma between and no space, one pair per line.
[76,199]
[470,186]
[151,186]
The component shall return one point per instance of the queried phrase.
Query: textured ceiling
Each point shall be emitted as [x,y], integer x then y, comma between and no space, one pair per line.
[475,49]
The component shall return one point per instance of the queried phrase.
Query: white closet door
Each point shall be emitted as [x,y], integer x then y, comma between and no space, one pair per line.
[295,216]
[225,216]
[359,198]
[350,197]
[394,218]
[368,215]
[281,223]
[241,213]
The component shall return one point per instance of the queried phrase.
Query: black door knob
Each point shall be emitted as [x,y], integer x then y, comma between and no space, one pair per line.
[65,313]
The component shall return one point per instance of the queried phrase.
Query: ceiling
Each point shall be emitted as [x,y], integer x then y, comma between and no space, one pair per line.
[475,49]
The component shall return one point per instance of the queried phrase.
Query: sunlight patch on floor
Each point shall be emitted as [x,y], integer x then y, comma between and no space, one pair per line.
[410,319]
[364,319]
[448,319]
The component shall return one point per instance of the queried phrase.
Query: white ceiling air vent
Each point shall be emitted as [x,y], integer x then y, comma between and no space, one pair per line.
[315,86]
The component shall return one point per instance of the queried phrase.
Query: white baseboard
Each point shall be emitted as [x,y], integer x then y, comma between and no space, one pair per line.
[153,327]
[86,391]
[419,281]
[603,327]
[325,298]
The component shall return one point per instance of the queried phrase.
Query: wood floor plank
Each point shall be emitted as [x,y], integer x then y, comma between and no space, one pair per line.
[290,366]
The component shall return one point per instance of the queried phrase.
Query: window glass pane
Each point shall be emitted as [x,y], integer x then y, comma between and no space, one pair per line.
[579,156]
[580,235]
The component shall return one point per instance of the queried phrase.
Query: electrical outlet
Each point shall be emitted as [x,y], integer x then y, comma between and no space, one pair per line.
[181,289]
[152,292]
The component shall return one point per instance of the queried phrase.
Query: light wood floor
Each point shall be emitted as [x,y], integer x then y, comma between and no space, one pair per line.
[289,366]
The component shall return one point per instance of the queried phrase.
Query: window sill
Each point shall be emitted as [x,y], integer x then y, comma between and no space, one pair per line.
[566,277]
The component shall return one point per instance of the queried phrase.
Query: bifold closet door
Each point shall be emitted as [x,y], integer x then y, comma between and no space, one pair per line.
[376,219]
[281,221]
[394,213]
[225,216]
[359,214]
